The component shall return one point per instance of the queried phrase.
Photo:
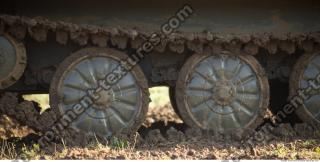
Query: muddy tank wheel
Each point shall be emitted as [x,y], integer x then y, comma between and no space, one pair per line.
[224,93]
[305,71]
[172,96]
[120,109]
[13,61]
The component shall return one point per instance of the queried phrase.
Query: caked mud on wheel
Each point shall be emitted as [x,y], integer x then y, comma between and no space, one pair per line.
[13,60]
[305,80]
[119,109]
[224,93]
[172,96]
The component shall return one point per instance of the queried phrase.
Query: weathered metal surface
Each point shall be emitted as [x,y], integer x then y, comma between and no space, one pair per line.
[199,42]
[13,61]
[304,89]
[225,93]
[120,109]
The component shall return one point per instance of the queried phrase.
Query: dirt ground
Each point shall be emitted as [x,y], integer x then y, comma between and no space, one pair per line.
[162,136]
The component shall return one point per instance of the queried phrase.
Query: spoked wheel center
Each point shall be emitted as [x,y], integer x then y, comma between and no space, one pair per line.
[223,93]
[105,99]
[121,108]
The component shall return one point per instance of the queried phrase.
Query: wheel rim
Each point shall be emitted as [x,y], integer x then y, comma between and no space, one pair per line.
[308,69]
[172,97]
[13,61]
[116,110]
[221,93]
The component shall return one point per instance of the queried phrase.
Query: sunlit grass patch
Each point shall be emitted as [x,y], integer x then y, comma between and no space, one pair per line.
[159,96]
[42,99]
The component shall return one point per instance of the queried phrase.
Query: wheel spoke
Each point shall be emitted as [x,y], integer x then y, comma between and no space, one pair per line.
[92,71]
[117,115]
[246,91]
[317,116]
[307,78]
[83,122]
[124,106]
[70,101]
[107,120]
[83,76]
[76,87]
[220,122]
[214,74]
[316,66]
[245,80]
[235,119]
[250,96]
[125,88]
[198,108]
[202,101]
[199,89]
[125,101]
[208,119]
[222,70]
[243,107]
[204,77]
[236,71]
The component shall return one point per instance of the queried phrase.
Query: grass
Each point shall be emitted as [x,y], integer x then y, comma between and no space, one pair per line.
[118,143]
[30,153]
[7,150]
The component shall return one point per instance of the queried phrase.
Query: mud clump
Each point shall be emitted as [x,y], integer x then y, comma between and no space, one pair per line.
[165,114]
[10,128]
[159,141]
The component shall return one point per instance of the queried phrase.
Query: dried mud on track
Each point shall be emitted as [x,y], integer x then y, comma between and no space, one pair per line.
[164,136]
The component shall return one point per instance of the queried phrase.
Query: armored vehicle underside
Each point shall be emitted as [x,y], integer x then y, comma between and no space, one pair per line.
[226,62]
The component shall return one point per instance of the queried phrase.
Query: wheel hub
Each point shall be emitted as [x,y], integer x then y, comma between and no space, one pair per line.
[120,108]
[105,99]
[223,93]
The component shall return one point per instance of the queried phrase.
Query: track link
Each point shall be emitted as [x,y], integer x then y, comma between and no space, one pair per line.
[204,42]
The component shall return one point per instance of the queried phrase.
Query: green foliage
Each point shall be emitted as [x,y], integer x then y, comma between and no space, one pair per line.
[118,143]
[281,151]
[308,143]
[30,153]
[317,150]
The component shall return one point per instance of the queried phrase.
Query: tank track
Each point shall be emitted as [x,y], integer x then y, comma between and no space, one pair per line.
[27,113]
[206,42]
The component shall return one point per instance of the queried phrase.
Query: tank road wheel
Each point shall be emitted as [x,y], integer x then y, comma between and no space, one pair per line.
[13,61]
[172,96]
[224,93]
[305,77]
[119,109]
